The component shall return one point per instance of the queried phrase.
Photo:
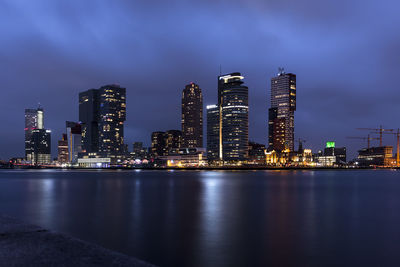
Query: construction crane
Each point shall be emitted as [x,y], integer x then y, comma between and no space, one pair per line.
[368,138]
[379,131]
[397,133]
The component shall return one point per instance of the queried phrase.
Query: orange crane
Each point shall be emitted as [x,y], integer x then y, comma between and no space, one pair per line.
[368,138]
[379,131]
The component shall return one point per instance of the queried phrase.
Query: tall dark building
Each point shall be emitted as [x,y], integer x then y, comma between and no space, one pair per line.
[192,116]
[173,141]
[165,143]
[257,153]
[213,132]
[158,144]
[137,147]
[41,146]
[34,119]
[89,117]
[139,152]
[281,113]
[234,117]
[102,113]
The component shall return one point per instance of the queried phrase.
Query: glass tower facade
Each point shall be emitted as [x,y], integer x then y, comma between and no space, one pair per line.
[102,113]
[234,117]
[89,119]
[213,132]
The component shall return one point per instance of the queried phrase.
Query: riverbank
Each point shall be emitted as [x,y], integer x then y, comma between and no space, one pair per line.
[207,168]
[23,244]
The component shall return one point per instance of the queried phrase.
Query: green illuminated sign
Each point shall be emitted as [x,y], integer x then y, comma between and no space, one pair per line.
[330,144]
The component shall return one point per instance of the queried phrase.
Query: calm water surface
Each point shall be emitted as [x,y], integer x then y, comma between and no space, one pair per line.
[218,218]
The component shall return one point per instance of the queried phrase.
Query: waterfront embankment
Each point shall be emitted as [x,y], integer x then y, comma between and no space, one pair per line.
[22,244]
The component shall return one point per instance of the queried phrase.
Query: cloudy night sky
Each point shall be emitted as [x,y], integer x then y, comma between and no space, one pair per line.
[345,53]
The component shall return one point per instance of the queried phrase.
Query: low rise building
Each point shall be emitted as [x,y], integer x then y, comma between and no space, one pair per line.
[93,160]
[376,156]
[338,152]
[325,161]
[257,154]
[186,157]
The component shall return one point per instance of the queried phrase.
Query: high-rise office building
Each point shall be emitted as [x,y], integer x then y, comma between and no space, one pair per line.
[281,113]
[102,113]
[213,132]
[234,117]
[112,117]
[89,117]
[74,139]
[192,116]
[63,150]
[34,119]
[41,147]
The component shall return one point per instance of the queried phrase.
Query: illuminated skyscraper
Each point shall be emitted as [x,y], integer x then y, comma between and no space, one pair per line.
[112,111]
[281,113]
[192,116]
[234,117]
[34,119]
[102,113]
[213,132]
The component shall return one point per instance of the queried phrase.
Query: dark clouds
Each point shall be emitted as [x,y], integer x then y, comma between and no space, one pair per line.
[345,53]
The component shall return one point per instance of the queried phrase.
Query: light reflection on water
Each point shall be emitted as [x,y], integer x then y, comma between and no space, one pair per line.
[218,218]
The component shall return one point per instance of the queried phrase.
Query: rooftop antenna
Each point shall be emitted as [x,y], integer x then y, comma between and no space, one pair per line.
[220,69]
[281,71]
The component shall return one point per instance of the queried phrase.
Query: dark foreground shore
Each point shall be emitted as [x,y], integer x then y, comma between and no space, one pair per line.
[23,244]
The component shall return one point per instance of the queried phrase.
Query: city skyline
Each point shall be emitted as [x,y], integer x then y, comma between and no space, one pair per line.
[55,67]
[83,97]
